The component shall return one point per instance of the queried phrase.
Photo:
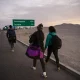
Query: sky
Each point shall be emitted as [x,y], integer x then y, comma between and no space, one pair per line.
[48,12]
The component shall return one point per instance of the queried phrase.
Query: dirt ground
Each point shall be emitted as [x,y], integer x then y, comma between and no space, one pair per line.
[69,54]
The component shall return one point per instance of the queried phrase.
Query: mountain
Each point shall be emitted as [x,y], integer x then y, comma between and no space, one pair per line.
[68,25]
[65,28]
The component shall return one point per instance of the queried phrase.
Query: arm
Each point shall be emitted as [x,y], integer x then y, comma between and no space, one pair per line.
[7,34]
[47,41]
[15,35]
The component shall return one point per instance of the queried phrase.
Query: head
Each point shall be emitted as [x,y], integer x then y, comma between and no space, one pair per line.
[40,27]
[10,26]
[52,29]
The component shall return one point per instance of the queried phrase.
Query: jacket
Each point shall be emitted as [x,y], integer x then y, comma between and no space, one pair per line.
[48,39]
[37,39]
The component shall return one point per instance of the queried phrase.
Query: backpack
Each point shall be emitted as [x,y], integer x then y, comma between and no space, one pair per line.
[37,38]
[11,36]
[56,42]
[32,38]
[12,39]
[11,33]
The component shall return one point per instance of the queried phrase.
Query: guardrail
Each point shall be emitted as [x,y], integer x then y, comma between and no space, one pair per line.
[63,66]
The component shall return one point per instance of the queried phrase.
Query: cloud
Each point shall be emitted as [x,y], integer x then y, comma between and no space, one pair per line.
[45,11]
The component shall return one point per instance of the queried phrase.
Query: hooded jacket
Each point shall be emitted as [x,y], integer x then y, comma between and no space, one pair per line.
[48,39]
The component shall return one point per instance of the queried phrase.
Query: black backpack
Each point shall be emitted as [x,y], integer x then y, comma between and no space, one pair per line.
[37,38]
[32,38]
[56,42]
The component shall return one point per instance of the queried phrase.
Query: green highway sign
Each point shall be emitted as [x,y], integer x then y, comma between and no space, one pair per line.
[23,22]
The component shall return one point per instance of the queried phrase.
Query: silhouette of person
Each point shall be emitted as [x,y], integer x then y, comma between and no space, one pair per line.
[37,39]
[11,35]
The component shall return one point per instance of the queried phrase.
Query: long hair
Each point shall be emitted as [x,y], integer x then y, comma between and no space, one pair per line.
[52,29]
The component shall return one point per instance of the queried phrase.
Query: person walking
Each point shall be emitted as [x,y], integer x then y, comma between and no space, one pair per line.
[50,48]
[11,35]
[37,39]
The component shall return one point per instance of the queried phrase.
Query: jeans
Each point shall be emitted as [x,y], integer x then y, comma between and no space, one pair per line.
[42,63]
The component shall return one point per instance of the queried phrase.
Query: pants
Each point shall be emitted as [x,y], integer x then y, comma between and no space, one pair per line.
[11,44]
[11,41]
[55,52]
[42,63]
[41,60]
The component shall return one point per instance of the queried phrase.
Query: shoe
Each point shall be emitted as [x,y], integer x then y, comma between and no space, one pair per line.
[44,75]
[58,68]
[34,68]
[12,50]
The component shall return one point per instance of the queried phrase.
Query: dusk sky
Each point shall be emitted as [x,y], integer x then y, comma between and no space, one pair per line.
[48,12]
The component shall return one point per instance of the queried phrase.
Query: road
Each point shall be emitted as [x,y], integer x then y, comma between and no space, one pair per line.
[16,66]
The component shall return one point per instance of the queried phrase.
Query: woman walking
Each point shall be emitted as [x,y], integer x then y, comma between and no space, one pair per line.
[49,46]
[37,39]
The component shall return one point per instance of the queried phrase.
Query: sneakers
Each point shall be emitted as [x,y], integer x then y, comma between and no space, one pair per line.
[34,68]
[58,68]
[12,50]
[44,75]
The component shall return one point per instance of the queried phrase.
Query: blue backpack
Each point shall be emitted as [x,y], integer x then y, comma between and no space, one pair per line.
[11,33]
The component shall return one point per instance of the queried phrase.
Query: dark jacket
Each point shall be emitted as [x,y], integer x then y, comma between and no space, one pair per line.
[37,39]
[11,35]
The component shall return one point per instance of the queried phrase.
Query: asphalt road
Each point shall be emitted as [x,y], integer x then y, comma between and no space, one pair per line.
[16,66]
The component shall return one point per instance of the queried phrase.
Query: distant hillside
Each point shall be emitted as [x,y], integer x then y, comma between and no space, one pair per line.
[67,25]
[66,28]
[62,28]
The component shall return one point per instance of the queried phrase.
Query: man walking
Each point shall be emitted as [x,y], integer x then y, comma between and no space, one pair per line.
[11,35]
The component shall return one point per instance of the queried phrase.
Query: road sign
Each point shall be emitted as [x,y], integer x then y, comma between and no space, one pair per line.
[23,22]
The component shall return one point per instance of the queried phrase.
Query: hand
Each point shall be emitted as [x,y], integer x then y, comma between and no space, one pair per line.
[44,50]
